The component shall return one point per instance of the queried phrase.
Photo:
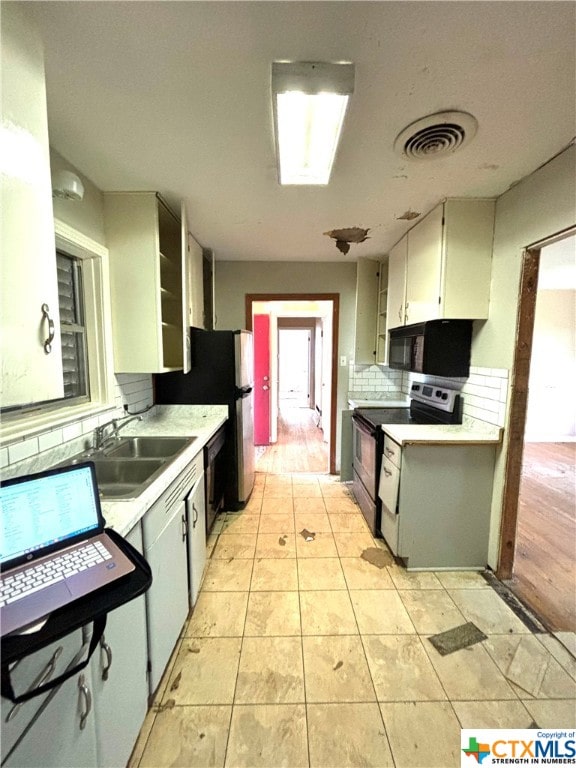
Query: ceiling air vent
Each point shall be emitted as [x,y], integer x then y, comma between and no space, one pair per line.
[437,135]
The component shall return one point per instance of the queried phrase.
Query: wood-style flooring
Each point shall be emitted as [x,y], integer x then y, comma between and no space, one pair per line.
[300,446]
[544,574]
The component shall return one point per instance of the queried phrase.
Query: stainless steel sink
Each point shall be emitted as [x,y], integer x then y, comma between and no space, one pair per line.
[147,447]
[131,464]
[125,478]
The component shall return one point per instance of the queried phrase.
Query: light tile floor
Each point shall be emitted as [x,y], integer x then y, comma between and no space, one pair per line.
[301,653]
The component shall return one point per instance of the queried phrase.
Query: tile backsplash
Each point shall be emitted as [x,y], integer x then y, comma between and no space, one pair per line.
[373,379]
[134,390]
[485,391]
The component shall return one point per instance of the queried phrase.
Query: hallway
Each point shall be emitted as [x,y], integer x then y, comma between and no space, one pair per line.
[300,446]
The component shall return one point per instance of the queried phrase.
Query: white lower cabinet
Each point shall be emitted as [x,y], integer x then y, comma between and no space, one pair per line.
[166,550]
[436,502]
[94,718]
[55,738]
[196,513]
[119,679]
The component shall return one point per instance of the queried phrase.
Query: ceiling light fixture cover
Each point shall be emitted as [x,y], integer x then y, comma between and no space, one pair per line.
[309,101]
[437,135]
[67,185]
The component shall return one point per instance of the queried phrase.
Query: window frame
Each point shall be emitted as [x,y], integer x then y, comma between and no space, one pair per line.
[98,311]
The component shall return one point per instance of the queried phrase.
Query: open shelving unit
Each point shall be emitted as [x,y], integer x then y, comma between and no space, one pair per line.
[382,321]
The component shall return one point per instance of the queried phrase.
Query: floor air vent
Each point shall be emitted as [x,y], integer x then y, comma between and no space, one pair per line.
[437,135]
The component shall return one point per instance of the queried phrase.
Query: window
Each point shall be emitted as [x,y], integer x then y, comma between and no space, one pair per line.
[72,326]
[86,333]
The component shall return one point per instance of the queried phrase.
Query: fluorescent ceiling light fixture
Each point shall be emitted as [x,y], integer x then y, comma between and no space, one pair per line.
[310,101]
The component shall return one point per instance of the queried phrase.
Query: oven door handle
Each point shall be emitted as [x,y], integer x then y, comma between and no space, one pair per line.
[361,427]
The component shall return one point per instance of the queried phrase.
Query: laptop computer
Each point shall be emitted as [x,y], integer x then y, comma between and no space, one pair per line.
[53,549]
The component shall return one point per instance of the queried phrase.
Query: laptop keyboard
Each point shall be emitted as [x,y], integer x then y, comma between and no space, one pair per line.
[16,586]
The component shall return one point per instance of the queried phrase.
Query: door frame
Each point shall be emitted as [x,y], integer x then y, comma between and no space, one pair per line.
[519,400]
[250,298]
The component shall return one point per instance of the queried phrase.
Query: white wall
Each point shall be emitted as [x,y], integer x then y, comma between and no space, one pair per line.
[86,216]
[551,412]
[234,279]
[538,206]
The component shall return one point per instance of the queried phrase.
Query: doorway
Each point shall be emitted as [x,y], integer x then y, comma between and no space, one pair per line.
[538,542]
[303,399]
[295,367]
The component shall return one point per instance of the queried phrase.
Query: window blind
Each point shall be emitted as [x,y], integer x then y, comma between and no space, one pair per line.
[72,328]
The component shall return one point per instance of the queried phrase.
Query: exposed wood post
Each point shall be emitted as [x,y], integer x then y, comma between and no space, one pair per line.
[518,405]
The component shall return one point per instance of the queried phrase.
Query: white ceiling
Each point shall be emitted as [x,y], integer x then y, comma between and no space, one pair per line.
[175,97]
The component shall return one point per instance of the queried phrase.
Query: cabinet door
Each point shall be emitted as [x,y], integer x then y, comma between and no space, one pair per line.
[366,310]
[119,678]
[196,513]
[424,268]
[195,284]
[468,236]
[388,492]
[56,739]
[167,598]
[186,296]
[397,283]
[28,254]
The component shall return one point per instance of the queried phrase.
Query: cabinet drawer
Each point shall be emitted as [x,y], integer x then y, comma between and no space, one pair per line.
[389,484]
[392,451]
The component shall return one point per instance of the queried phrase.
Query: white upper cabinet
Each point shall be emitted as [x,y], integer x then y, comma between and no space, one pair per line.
[423,268]
[196,317]
[468,239]
[30,370]
[397,283]
[149,281]
[447,264]
[366,310]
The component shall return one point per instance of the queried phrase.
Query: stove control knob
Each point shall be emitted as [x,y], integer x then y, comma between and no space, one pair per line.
[438,393]
[445,396]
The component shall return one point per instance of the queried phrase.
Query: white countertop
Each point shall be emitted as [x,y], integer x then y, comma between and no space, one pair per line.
[199,421]
[471,432]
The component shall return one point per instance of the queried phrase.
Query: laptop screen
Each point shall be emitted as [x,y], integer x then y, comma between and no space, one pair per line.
[42,511]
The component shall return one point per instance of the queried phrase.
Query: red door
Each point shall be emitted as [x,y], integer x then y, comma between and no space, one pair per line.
[261,379]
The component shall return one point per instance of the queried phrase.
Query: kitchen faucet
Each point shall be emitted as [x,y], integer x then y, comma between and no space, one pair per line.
[100,438]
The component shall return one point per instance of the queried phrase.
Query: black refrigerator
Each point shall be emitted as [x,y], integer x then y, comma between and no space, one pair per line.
[222,373]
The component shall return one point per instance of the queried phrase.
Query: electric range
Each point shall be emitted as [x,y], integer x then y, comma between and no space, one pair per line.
[429,404]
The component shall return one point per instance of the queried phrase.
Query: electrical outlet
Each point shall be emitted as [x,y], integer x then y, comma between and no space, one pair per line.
[342,360]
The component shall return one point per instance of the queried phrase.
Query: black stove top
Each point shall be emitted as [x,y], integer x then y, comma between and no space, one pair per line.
[428,405]
[378,416]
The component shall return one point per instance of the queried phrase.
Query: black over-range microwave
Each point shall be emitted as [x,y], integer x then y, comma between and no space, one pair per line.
[436,347]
